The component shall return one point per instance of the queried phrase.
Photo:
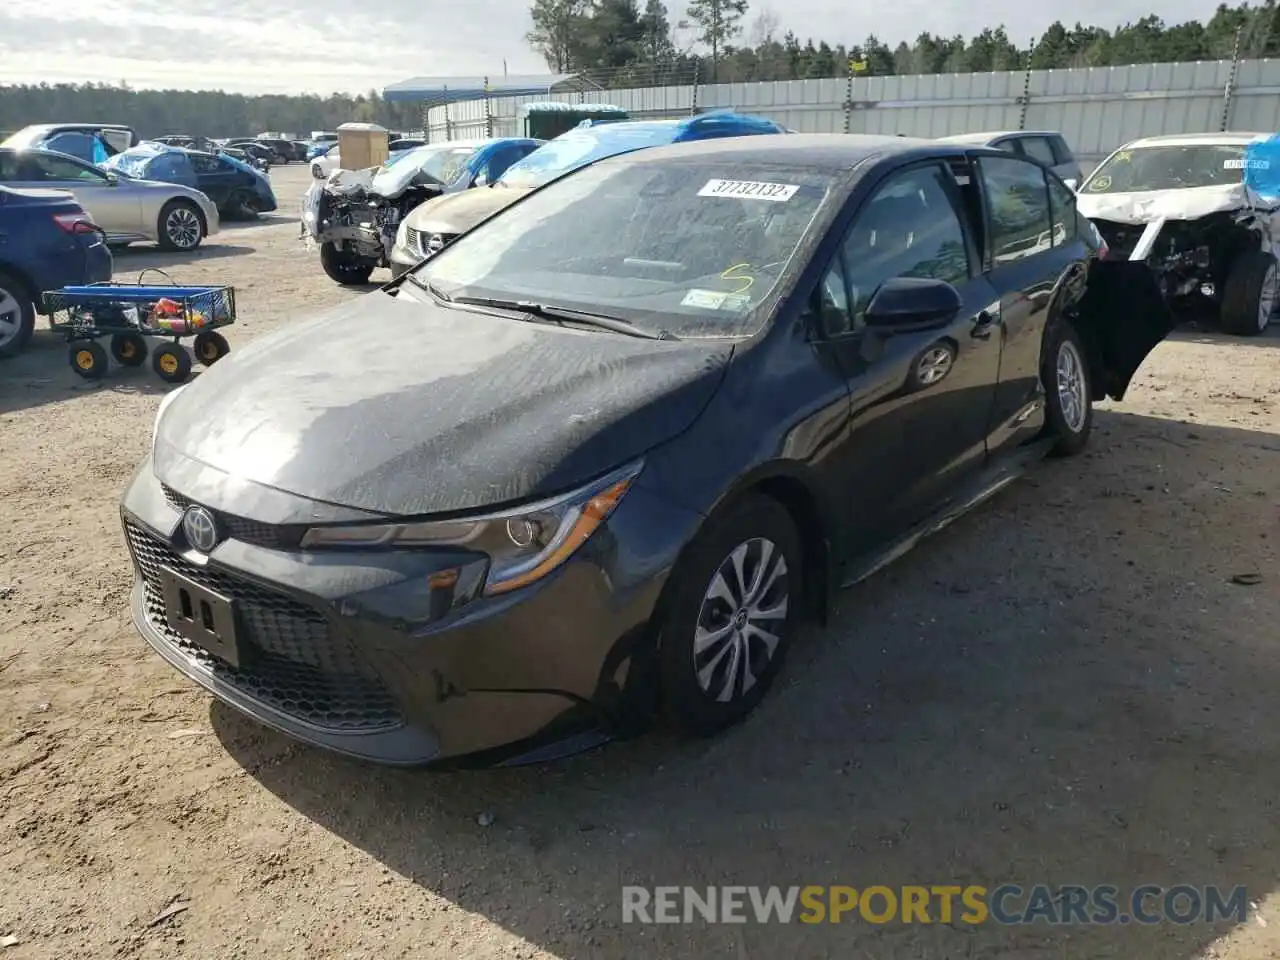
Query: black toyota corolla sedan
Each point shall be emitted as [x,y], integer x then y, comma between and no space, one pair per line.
[602,454]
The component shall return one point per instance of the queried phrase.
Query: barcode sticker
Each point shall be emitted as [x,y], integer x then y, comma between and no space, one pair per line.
[749,190]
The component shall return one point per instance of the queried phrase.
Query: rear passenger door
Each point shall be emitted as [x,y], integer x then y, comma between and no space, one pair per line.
[215,178]
[1028,251]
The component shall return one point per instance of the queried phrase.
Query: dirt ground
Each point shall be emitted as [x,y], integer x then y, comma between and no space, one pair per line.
[1064,687]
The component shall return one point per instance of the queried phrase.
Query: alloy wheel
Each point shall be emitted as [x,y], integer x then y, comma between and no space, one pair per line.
[746,602]
[10,317]
[934,365]
[1072,392]
[182,227]
[1267,297]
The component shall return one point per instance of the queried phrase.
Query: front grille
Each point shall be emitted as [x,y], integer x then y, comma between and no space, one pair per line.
[293,661]
[425,244]
[416,240]
[1121,237]
[240,528]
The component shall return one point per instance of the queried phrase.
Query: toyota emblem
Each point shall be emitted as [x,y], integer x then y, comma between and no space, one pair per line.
[201,529]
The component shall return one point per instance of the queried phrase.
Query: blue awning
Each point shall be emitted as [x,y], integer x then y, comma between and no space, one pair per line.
[440,90]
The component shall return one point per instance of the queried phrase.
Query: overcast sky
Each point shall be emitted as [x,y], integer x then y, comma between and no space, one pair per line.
[292,46]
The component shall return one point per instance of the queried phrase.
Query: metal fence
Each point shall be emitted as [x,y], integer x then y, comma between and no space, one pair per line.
[1096,108]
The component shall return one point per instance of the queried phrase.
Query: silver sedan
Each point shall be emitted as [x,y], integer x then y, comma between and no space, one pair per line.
[174,216]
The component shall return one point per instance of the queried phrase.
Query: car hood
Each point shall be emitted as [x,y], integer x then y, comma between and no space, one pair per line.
[1147,206]
[394,406]
[459,212]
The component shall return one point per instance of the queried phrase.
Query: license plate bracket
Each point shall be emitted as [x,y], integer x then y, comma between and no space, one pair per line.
[203,616]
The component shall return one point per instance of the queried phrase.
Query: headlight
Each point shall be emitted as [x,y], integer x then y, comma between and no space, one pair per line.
[523,545]
[402,234]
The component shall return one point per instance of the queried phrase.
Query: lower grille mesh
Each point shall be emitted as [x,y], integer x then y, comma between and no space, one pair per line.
[295,665]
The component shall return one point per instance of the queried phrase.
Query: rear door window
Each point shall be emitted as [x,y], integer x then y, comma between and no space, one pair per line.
[1039,148]
[1062,206]
[1017,198]
[1061,150]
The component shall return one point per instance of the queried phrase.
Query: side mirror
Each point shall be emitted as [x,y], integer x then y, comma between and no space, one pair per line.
[1071,183]
[904,304]
[112,179]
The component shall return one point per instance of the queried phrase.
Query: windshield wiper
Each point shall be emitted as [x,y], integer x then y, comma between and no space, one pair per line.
[556,314]
[428,286]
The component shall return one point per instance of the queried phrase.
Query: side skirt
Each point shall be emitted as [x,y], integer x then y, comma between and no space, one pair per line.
[977,491]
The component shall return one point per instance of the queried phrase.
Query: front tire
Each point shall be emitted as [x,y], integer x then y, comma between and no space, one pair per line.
[180,226]
[343,267]
[17,315]
[1068,387]
[736,605]
[1249,295]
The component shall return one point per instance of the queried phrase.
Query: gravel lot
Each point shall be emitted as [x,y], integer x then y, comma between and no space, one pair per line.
[1064,687]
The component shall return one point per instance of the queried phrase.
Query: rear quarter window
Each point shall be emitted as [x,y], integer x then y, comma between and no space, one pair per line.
[1061,150]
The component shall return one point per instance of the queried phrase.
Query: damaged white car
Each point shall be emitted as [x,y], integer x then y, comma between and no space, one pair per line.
[353,215]
[1180,206]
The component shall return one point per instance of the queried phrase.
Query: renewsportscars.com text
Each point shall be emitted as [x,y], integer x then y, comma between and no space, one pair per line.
[1007,903]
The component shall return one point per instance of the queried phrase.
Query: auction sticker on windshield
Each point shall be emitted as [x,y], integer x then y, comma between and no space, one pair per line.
[749,190]
[715,300]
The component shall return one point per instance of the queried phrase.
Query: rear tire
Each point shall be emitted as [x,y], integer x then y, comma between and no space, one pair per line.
[343,267]
[180,226]
[17,315]
[1068,388]
[129,349]
[736,605]
[240,206]
[1249,295]
[210,347]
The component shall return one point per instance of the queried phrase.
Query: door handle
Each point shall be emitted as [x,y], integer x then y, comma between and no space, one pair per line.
[983,325]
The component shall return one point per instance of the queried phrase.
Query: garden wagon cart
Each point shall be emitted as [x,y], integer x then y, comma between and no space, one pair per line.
[129,313]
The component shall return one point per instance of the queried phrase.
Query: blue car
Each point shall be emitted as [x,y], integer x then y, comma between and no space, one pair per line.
[236,189]
[320,149]
[438,222]
[47,242]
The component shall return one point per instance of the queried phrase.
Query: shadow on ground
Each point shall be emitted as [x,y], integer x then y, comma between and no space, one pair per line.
[1205,333]
[42,374]
[1065,687]
[147,257]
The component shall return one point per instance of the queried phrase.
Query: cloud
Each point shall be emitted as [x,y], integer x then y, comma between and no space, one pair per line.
[321,46]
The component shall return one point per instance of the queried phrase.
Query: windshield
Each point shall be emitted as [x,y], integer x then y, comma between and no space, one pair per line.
[26,138]
[441,163]
[690,248]
[1169,168]
[577,148]
[133,165]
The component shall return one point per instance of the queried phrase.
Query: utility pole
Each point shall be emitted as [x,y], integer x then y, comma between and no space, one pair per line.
[715,41]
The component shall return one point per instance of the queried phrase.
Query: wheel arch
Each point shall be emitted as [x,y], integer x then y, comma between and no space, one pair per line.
[179,198]
[28,285]
[788,485]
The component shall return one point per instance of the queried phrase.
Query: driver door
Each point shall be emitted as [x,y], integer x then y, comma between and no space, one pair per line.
[111,204]
[921,399]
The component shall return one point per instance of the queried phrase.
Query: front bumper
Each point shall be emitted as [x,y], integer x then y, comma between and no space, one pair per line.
[212,218]
[357,653]
[402,260]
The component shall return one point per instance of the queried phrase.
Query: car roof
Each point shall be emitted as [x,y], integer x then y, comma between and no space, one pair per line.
[1228,138]
[989,135]
[832,152]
